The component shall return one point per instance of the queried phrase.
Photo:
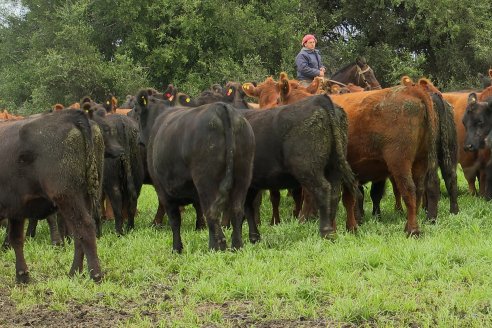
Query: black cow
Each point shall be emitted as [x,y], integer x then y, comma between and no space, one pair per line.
[302,144]
[478,124]
[202,155]
[123,175]
[123,168]
[52,162]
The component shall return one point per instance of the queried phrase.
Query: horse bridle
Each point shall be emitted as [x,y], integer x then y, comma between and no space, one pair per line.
[361,76]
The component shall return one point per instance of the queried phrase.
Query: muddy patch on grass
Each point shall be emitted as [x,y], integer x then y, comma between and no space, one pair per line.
[77,315]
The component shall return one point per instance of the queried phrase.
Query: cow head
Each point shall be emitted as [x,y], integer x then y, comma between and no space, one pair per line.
[170,92]
[235,94]
[112,147]
[291,91]
[182,99]
[266,92]
[147,108]
[477,121]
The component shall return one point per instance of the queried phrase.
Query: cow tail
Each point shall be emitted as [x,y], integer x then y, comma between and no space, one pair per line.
[339,126]
[432,122]
[447,132]
[92,173]
[130,186]
[226,184]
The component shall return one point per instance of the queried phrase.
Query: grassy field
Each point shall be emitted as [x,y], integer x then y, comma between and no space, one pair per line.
[292,278]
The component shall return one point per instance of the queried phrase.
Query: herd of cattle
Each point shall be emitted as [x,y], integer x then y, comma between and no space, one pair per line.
[218,152]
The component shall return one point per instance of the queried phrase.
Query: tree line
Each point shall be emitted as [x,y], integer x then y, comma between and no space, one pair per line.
[59,51]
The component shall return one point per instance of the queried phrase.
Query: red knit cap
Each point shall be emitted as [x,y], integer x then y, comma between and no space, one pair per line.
[308,37]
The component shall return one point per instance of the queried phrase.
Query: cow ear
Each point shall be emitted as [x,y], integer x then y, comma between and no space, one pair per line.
[283,76]
[283,88]
[86,107]
[315,85]
[143,98]
[472,98]
[58,107]
[86,100]
[406,81]
[335,89]
[230,92]
[490,72]
[250,89]
[183,100]
[114,103]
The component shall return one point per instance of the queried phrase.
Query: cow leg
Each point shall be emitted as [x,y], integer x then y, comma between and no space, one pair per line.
[349,202]
[377,193]
[257,207]
[31,227]
[298,198]
[174,215]
[398,196]
[471,175]
[432,195]
[402,176]
[451,181]
[359,208]
[108,209]
[200,223]
[115,198]
[254,234]
[81,225]
[275,200]
[55,236]
[309,207]
[159,215]
[321,190]
[16,238]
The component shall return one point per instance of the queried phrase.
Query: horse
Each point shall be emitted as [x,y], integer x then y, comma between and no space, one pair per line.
[358,73]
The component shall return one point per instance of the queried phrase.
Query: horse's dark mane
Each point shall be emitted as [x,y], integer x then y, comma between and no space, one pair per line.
[345,68]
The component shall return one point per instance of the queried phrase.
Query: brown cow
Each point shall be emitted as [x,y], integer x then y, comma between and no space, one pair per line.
[392,133]
[447,158]
[52,162]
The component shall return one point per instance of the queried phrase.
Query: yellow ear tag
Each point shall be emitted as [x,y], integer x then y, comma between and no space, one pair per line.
[107,102]
[229,92]
[144,101]
[188,100]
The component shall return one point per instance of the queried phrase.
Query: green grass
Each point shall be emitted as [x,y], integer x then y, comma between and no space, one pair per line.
[377,277]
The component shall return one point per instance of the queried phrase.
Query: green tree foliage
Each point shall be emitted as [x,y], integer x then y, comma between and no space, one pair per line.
[59,51]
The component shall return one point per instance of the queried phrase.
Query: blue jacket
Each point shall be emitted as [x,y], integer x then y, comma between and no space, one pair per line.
[308,63]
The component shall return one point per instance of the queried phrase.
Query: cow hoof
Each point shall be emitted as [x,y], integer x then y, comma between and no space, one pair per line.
[352,229]
[97,277]
[432,220]
[157,226]
[327,233]
[236,245]
[22,277]
[221,245]
[454,209]
[254,238]
[413,233]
